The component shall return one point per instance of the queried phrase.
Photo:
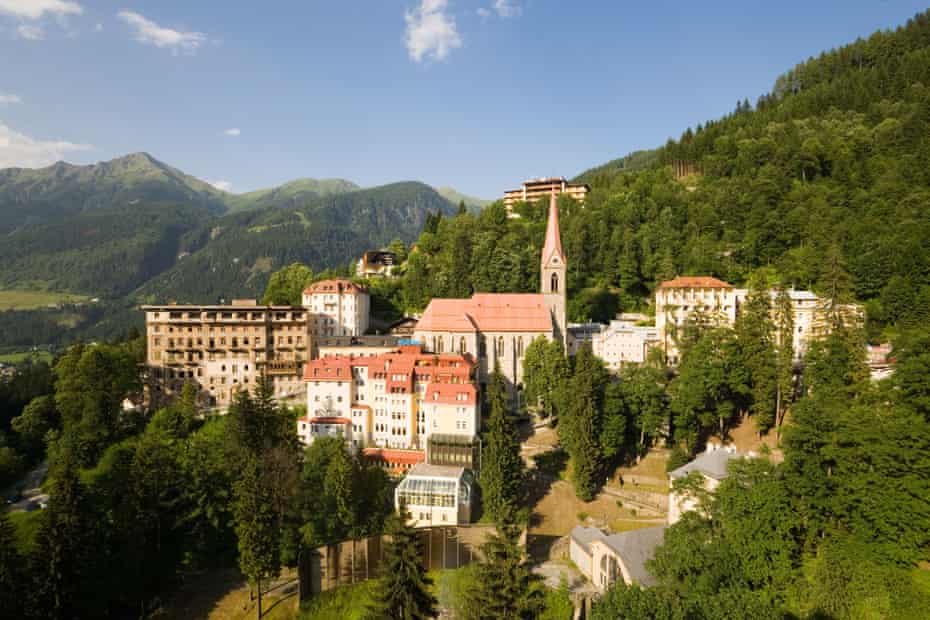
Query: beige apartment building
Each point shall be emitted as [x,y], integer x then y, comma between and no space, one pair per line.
[680,299]
[534,189]
[225,348]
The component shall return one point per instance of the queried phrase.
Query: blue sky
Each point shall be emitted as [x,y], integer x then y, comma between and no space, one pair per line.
[477,94]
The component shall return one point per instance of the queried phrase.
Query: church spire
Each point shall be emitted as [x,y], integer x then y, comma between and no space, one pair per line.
[553,245]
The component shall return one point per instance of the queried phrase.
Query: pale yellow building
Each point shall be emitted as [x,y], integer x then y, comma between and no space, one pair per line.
[225,348]
[534,189]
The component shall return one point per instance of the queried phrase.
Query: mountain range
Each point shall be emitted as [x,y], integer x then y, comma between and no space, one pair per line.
[137,228]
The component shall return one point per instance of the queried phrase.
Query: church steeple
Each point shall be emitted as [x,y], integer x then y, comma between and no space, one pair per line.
[553,272]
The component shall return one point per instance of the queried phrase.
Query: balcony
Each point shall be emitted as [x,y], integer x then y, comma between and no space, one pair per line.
[283,367]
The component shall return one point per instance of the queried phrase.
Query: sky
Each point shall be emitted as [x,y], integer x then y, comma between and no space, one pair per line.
[476,94]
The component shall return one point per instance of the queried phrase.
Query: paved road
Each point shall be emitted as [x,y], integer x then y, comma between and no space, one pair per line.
[32,492]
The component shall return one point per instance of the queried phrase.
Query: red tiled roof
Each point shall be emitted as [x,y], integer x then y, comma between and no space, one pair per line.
[335,286]
[330,420]
[409,361]
[695,282]
[395,456]
[488,312]
[450,393]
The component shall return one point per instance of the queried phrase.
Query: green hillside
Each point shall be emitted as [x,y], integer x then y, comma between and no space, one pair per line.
[38,196]
[246,247]
[455,197]
[823,183]
[291,194]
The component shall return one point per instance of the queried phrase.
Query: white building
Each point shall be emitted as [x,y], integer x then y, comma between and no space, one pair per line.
[337,308]
[435,495]
[605,559]
[624,342]
[677,300]
[392,400]
[711,465]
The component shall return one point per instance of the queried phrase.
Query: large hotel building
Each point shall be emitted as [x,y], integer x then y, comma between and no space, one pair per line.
[226,348]
[535,189]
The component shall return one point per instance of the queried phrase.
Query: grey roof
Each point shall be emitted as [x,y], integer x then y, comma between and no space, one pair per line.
[712,464]
[635,548]
[584,536]
[435,471]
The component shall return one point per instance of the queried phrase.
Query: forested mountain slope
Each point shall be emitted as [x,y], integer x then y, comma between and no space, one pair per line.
[291,194]
[824,183]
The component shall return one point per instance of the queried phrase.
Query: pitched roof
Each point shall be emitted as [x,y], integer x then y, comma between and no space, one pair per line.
[553,245]
[695,282]
[335,286]
[712,463]
[488,312]
[635,548]
[584,536]
[451,393]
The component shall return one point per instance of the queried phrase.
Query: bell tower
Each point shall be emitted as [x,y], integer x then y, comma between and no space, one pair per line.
[553,272]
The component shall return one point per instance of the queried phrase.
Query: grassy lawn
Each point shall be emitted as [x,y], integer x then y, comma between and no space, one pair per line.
[16,358]
[345,603]
[28,300]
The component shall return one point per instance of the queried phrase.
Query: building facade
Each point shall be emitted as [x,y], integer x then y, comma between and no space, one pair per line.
[606,559]
[436,495]
[337,308]
[393,400]
[225,348]
[711,465]
[624,342]
[534,189]
[378,263]
[496,328]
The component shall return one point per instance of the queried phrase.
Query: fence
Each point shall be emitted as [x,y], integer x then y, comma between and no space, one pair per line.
[353,561]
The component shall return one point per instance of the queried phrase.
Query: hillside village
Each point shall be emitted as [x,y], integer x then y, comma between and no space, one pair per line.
[691,383]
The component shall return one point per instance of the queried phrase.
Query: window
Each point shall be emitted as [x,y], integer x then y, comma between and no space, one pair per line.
[554,283]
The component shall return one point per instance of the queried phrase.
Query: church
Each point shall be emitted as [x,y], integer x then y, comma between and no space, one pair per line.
[496,328]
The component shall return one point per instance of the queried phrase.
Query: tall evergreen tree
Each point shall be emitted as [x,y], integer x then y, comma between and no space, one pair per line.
[755,333]
[257,527]
[13,586]
[501,464]
[579,428]
[506,589]
[402,592]
[784,355]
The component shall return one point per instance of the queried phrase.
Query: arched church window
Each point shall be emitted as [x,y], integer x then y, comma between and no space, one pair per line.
[500,346]
[555,283]
[461,345]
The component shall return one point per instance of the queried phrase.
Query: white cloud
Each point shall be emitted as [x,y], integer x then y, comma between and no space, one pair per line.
[9,99]
[506,8]
[21,151]
[233,132]
[30,32]
[221,185]
[34,9]
[150,33]
[431,31]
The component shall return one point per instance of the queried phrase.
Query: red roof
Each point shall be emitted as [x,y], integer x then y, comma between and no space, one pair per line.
[335,286]
[488,312]
[451,393]
[409,361]
[695,282]
[395,456]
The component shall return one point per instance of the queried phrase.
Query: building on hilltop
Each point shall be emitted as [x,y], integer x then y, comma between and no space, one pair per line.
[534,189]
[337,307]
[378,263]
[394,400]
[225,348]
[496,328]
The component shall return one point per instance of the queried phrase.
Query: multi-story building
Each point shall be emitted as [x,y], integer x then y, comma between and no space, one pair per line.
[679,299]
[337,308]
[496,328]
[624,342]
[378,263]
[534,189]
[393,400]
[225,348]
[436,495]
[355,346]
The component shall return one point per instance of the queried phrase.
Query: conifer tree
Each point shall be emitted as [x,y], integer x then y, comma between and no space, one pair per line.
[501,467]
[13,587]
[755,333]
[579,429]
[257,527]
[506,589]
[784,355]
[403,592]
